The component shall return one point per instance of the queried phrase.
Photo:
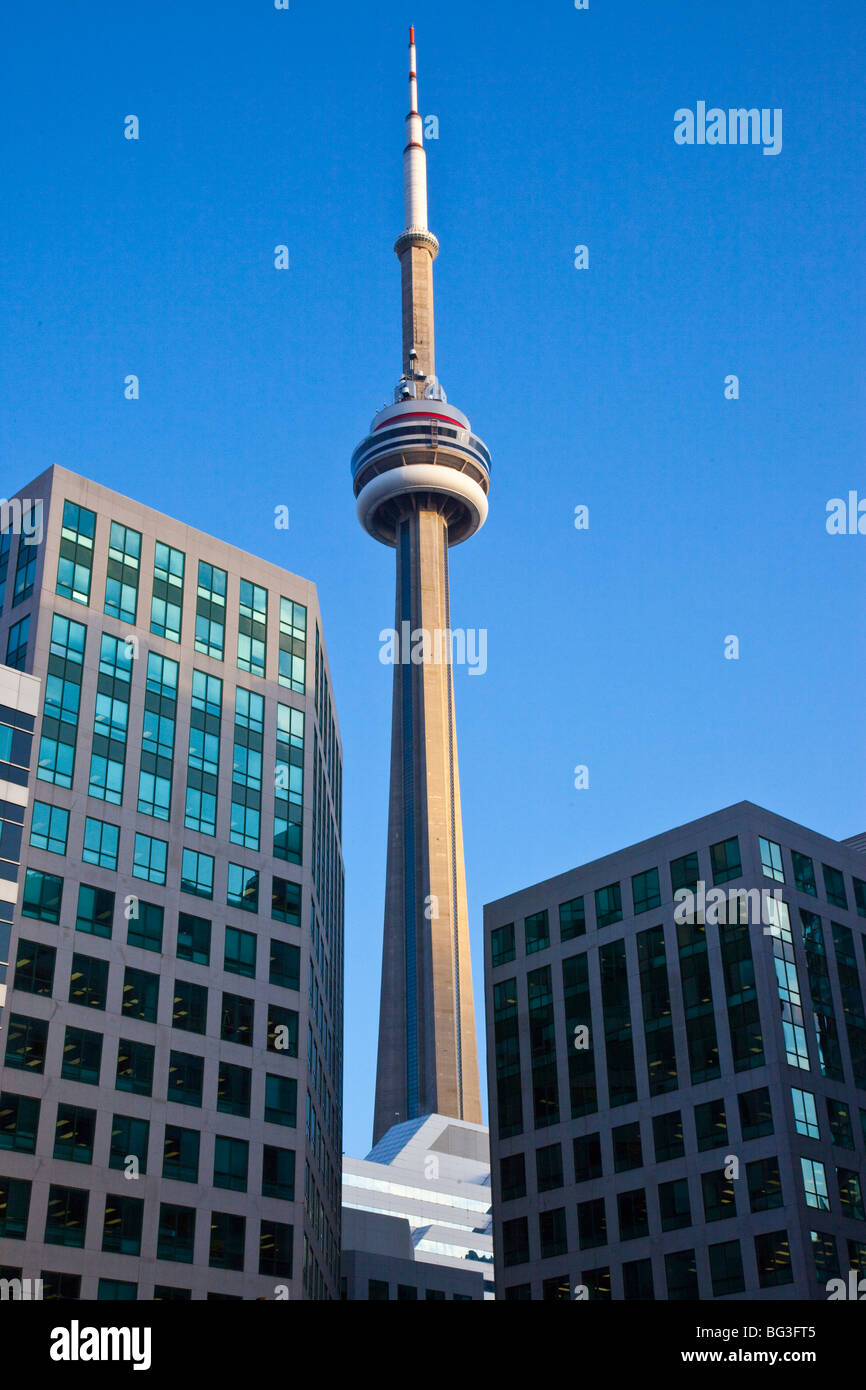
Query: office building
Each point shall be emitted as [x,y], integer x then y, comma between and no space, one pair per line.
[416,1215]
[421,479]
[171,1055]
[677,1068]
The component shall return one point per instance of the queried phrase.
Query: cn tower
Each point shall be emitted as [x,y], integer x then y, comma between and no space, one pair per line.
[421,479]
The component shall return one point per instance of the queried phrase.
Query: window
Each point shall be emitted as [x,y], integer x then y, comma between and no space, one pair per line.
[240,952]
[31,534]
[26,1043]
[101,842]
[773,1254]
[572,919]
[42,897]
[73,1134]
[515,1241]
[282,1030]
[243,888]
[62,701]
[145,925]
[711,1125]
[114,1290]
[608,905]
[95,913]
[377,1291]
[14,1207]
[512,1177]
[121,1231]
[167,602]
[674,1206]
[196,875]
[289,785]
[237,1020]
[841,1129]
[49,828]
[185,1078]
[227,1235]
[275,1249]
[11,821]
[210,611]
[552,1234]
[66,1220]
[815,1184]
[627,1152]
[140,994]
[591,1224]
[850,1194]
[34,968]
[134,1067]
[285,965]
[542,1044]
[278,1173]
[19,1122]
[252,628]
[281,1100]
[756,1114]
[129,1140]
[805,1114]
[181,1153]
[771,859]
[622,1081]
[804,873]
[82,1056]
[725,860]
[233,1089]
[834,886]
[718,1195]
[548,1168]
[193,938]
[668,1136]
[286,902]
[231,1161]
[645,891]
[685,872]
[502,944]
[681,1275]
[246,795]
[859,895]
[632,1210]
[637,1281]
[150,858]
[726,1268]
[764,1183]
[16,644]
[88,981]
[190,1007]
[825,1256]
[293,645]
[75,565]
[176,1233]
[121,583]
[587,1157]
[536,932]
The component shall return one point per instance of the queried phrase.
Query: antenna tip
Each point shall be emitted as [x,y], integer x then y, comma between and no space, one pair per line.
[412,34]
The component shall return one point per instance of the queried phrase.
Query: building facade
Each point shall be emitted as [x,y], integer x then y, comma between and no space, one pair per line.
[171,1056]
[416,1214]
[420,479]
[677,1068]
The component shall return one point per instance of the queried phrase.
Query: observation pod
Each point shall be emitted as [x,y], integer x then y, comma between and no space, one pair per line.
[421,454]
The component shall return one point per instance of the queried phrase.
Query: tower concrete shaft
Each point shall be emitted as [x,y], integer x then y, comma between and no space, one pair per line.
[421,480]
[428,1059]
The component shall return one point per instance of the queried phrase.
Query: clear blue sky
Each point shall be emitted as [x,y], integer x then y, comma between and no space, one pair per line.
[602,387]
